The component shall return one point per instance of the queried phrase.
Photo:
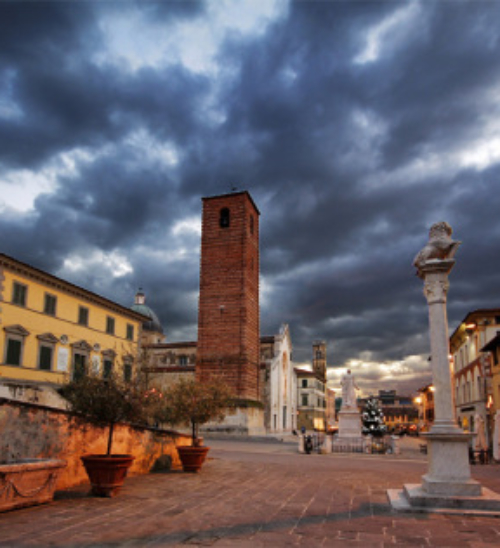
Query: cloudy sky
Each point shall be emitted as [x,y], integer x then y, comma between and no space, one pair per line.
[354,125]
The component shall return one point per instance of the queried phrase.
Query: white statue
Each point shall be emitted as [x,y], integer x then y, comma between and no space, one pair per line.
[349,388]
[480,442]
[440,246]
[496,437]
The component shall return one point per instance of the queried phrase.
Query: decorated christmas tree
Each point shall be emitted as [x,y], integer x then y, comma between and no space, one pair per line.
[373,419]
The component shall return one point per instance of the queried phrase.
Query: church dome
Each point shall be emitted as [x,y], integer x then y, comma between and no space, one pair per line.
[140,306]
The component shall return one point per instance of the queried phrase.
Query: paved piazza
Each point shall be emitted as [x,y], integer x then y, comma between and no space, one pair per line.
[256,494]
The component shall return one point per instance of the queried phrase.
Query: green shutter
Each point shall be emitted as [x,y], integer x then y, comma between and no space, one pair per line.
[13,352]
[108,366]
[45,361]
[78,366]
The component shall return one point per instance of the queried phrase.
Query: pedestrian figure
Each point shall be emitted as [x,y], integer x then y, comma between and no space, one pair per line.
[308,445]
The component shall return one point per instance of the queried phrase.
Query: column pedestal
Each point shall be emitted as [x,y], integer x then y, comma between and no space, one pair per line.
[449,469]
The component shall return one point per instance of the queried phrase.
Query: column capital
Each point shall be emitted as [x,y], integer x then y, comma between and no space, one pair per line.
[435,291]
[435,276]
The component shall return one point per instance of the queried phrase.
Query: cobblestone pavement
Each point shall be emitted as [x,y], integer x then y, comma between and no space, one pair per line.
[253,495]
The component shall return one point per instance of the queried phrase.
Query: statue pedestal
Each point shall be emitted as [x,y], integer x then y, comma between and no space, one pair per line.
[349,424]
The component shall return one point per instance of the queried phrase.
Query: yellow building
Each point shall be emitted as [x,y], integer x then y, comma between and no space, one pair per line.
[52,330]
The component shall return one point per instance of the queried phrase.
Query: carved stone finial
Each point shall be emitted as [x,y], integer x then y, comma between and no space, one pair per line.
[439,248]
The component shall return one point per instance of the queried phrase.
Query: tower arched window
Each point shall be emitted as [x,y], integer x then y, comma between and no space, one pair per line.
[225,217]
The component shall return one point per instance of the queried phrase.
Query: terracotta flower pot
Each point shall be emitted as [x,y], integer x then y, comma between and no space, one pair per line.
[107,473]
[192,458]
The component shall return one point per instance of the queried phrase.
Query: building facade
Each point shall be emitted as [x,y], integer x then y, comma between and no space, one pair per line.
[425,405]
[311,400]
[278,382]
[53,331]
[473,367]
[493,347]
[167,363]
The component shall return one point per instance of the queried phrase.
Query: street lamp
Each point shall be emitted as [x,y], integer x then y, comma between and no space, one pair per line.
[419,401]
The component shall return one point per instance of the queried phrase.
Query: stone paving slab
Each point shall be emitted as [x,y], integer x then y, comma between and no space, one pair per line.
[255,496]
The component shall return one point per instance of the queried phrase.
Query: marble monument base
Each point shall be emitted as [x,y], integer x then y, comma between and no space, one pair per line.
[349,424]
[447,487]
[413,498]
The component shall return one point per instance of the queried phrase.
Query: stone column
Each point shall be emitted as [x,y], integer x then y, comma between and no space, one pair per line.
[448,445]
[447,486]
[435,275]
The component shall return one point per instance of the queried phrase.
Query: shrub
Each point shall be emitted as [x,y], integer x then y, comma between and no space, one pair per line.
[192,403]
[107,401]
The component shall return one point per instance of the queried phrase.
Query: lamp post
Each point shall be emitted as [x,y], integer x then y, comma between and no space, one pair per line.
[419,401]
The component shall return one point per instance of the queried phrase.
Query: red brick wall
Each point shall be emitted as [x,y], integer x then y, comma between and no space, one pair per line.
[228,320]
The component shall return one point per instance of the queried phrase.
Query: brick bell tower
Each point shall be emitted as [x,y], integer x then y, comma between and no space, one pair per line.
[319,359]
[228,314]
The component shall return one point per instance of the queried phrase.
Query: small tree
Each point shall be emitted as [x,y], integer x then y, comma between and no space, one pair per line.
[193,403]
[373,419]
[107,401]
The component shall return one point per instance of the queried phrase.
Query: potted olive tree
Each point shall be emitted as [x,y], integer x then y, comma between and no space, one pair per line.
[104,402]
[192,403]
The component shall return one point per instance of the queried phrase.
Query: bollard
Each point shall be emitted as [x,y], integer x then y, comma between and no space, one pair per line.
[301,443]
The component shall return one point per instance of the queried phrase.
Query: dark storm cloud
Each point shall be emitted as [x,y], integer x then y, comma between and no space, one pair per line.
[350,159]
[176,9]
[69,101]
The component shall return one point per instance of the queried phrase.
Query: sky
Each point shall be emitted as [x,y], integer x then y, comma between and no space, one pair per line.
[355,125]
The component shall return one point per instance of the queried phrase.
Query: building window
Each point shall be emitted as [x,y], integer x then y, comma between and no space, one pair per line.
[107,369]
[50,304]
[225,218]
[81,353]
[19,292]
[183,360]
[110,325]
[130,332]
[45,357]
[108,357]
[14,344]
[83,315]
[46,346]
[127,371]
[14,351]
[305,400]
[304,383]
[79,366]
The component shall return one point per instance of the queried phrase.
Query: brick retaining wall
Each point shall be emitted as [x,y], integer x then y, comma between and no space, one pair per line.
[29,430]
